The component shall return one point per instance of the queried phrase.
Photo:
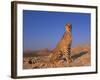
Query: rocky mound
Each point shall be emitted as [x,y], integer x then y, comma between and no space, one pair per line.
[80,55]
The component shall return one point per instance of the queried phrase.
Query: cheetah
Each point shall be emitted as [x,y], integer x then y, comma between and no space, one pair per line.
[63,48]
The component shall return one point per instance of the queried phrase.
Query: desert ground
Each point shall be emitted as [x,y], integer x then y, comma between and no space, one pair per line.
[80,54]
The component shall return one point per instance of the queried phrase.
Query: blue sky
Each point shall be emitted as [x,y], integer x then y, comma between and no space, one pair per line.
[43,29]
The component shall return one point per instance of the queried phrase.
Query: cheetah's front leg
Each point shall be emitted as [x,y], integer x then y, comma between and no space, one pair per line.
[67,55]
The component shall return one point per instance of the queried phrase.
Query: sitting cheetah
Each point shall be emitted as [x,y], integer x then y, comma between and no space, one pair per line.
[63,48]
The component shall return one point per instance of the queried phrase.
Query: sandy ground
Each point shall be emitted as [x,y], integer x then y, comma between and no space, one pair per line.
[81,56]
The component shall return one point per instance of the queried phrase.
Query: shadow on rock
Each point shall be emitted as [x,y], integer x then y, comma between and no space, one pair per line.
[79,55]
